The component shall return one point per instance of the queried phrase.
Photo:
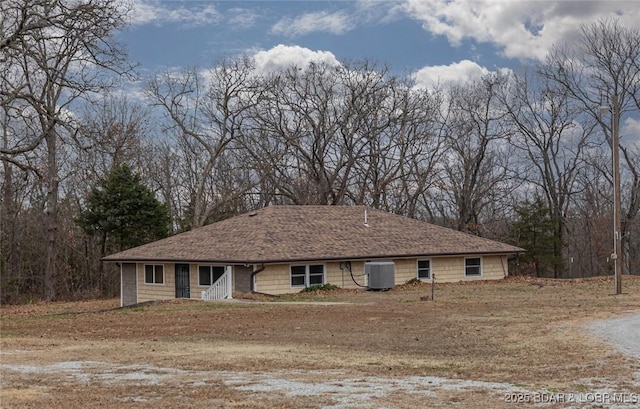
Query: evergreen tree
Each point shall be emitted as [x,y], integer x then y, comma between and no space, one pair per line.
[535,231]
[124,212]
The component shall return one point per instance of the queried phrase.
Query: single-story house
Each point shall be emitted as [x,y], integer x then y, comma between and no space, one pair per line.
[283,249]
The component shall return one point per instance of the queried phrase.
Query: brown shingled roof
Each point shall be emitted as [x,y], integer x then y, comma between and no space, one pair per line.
[300,233]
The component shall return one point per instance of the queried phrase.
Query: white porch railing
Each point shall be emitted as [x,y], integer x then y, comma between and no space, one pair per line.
[220,290]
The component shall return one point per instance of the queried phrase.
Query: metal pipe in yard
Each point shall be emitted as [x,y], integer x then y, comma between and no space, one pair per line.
[433,285]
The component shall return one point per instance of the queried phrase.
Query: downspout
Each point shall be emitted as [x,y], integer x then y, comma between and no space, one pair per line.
[253,274]
[121,281]
[505,271]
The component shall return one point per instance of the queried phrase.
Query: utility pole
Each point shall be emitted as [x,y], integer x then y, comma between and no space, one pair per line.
[617,207]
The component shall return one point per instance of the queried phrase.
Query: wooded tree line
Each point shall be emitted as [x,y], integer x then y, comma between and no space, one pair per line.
[518,157]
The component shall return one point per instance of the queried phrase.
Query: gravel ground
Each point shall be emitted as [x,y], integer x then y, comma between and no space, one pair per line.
[622,333]
[345,391]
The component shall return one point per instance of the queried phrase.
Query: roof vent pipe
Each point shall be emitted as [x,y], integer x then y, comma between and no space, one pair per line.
[366,219]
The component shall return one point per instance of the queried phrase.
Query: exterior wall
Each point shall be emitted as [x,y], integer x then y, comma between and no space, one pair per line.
[196,288]
[275,278]
[342,277]
[406,269]
[451,269]
[167,291]
[128,285]
[154,292]
[494,267]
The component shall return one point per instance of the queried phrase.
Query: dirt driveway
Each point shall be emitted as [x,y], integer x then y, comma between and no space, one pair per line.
[515,343]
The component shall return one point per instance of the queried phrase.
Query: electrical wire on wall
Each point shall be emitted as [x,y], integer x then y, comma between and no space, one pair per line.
[347,265]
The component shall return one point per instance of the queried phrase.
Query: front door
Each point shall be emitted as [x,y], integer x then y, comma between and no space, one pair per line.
[182,281]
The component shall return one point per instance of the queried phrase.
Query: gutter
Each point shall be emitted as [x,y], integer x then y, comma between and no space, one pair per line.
[255,273]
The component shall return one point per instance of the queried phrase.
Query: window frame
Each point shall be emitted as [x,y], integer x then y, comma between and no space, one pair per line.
[307,275]
[311,274]
[297,275]
[210,267]
[478,266]
[429,275]
[155,273]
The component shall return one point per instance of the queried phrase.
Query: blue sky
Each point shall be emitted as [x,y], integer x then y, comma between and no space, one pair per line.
[445,39]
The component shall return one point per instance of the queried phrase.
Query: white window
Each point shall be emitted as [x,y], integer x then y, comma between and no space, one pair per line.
[473,267]
[153,274]
[306,276]
[424,269]
[208,275]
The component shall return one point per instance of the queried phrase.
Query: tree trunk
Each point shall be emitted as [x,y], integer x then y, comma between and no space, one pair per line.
[558,268]
[10,271]
[51,218]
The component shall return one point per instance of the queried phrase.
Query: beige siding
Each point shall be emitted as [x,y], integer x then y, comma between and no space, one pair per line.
[342,276]
[152,292]
[196,289]
[406,269]
[448,269]
[451,269]
[275,278]
[494,267]
[149,292]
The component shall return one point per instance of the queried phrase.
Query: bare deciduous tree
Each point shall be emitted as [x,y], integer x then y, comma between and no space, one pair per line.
[205,110]
[602,70]
[476,166]
[552,137]
[52,54]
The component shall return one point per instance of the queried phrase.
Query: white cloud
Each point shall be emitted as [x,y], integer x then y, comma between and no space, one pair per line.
[147,12]
[334,23]
[521,29]
[465,70]
[282,56]
[143,13]
[630,132]
[242,18]
[353,15]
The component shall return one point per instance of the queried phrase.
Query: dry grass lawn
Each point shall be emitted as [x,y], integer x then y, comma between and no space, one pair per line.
[522,333]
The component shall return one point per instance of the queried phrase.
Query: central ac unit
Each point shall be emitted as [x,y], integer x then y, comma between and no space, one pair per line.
[381,275]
